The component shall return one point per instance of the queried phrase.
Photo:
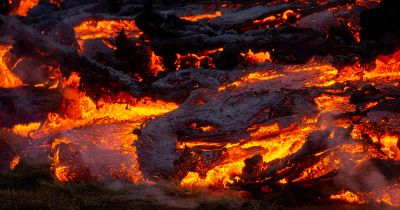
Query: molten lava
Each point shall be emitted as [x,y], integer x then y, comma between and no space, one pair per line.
[98,120]
[156,64]
[195,18]
[7,78]
[320,122]
[278,19]
[192,60]
[14,162]
[348,197]
[274,143]
[253,58]
[24,6]
[91,29]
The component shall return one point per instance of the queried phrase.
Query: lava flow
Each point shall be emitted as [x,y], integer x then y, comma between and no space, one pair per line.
[297,98]
[9,80]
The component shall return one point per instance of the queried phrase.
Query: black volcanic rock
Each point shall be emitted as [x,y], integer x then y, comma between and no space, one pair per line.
[381,22]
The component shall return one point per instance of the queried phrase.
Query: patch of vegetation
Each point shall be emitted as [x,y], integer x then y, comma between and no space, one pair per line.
[31,186]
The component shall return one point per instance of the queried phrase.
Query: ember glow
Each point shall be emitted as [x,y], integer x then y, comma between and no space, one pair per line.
[193,60]
[91,29]
[195,18]
[347,196]
[156,64]
[254,58]
[111,113]
[24,6]
[278,143]
[9,80]
[15,161]
[278,19]
[190,60]
[80,111]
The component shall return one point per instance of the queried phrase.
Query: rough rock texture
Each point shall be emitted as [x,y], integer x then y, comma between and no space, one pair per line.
[229,114]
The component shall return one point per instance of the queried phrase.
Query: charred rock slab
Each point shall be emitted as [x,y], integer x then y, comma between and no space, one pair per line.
[229,114]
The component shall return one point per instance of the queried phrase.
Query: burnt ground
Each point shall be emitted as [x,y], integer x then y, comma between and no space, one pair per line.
[32,186]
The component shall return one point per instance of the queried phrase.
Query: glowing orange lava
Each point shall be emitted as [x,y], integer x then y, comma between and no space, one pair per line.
[348,197]
[91,29]
[156,64]
[24,6]
[14,162]
[270,146]
[195,18]
[272,142]
[193,60]
[253,58]
[9,80]
[89,139]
